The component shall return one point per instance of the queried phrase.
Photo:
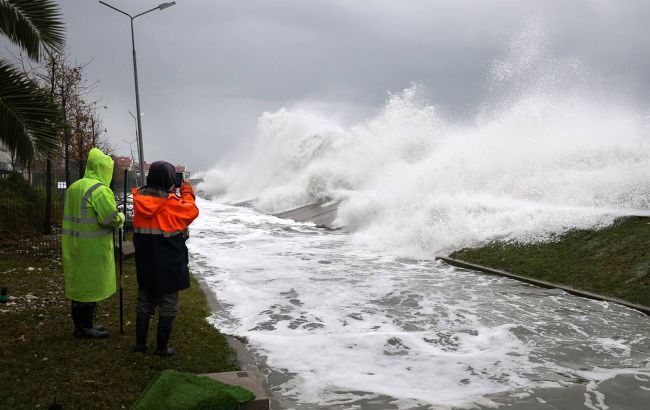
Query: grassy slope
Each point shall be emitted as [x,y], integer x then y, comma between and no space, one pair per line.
[614,261]
[41,360]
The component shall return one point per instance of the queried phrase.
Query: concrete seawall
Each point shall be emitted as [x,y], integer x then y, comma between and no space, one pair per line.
[541,283]
[323,215]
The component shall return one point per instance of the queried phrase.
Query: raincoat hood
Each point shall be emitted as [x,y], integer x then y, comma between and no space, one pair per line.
[99,167]
[161,175]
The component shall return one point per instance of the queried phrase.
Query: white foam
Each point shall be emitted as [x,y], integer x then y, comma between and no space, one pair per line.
[339,318]
[326,322]
[615,347]
[594,399]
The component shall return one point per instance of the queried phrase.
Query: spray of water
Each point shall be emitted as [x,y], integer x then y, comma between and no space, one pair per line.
[551,149]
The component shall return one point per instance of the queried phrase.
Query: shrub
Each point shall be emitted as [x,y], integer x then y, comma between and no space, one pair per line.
[22,207]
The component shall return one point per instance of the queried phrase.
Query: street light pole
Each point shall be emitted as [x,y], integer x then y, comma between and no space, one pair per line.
[135,75]
[137,146]
[137,105]
[132,157]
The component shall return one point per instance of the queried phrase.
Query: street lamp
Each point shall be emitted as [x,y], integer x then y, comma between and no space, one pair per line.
[162,6]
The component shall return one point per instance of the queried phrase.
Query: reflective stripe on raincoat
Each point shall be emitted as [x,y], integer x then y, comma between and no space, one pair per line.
[89,217]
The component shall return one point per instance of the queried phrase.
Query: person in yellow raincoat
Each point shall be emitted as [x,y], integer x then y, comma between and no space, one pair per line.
[89,217]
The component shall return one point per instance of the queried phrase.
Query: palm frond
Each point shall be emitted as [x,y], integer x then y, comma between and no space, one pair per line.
[32,25]
[29,119]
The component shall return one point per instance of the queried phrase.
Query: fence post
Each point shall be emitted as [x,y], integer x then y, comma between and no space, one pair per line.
[121,238]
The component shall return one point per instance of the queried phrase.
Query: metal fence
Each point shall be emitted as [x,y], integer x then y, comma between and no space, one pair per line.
[25,228]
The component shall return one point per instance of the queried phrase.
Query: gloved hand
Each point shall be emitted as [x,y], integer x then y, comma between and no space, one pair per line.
[118,222]
[186,188]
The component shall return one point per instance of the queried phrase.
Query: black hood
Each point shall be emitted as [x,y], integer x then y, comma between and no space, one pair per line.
[161,175]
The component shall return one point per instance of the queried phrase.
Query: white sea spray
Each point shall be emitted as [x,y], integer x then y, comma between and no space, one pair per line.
[551,149]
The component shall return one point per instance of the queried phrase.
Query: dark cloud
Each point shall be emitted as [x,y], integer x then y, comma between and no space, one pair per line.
[208,69]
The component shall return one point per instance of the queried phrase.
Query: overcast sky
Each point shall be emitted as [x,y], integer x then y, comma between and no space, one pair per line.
[209,68]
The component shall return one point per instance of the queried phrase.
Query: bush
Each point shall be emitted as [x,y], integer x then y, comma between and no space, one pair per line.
[22,207]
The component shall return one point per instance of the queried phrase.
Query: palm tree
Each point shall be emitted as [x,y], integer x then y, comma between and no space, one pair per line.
[29,118]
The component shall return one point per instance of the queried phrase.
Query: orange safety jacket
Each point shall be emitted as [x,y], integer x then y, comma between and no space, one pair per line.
[160,219]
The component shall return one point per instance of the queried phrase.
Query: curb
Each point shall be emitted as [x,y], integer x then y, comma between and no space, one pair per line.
[541,283]
[250,373]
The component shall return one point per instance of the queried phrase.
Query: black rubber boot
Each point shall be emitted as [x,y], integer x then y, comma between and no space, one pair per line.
[99,329]
[94,312]
[141,330]
[162,339]
[76,314]
[84,328]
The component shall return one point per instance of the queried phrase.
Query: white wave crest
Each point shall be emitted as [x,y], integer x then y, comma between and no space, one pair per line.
[545,155]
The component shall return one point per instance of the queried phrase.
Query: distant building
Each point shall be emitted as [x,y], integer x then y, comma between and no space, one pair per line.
[179,168]
[122,162]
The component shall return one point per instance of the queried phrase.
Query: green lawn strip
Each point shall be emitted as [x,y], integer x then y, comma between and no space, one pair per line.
[41,361]
[613,261]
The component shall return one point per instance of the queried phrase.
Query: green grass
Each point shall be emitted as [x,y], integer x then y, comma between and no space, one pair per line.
[41,362]
[614,261]
[176,390]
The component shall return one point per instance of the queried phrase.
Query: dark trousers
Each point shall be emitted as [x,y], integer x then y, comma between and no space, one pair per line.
[148,300]
[83,304]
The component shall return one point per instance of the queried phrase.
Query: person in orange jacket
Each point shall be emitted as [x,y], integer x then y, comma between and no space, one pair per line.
[160,222]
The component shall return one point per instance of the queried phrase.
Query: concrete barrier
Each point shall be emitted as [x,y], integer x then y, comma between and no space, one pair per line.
[323,215]
[542,283]
[250,379]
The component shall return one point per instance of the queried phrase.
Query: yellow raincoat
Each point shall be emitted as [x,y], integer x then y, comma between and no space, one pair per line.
[89,217]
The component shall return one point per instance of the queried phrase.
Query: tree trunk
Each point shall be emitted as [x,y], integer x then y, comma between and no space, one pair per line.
[66,137]
[47,222]
[80,143]
[93,135]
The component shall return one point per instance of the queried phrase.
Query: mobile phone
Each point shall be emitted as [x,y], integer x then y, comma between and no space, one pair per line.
[178,179]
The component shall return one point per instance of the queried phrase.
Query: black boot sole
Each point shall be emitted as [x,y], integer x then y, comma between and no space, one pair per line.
[140,349]
[165,353]
[94,335]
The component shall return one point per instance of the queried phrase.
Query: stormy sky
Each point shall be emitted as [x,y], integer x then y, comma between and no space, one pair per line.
[209,68]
